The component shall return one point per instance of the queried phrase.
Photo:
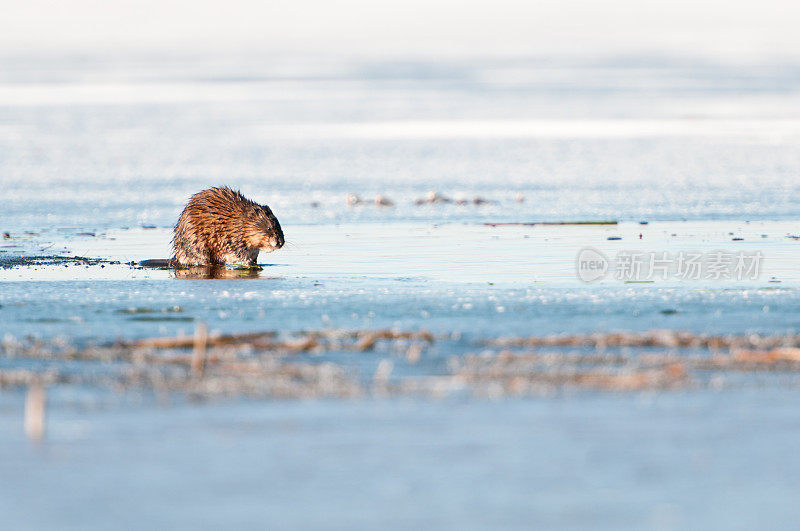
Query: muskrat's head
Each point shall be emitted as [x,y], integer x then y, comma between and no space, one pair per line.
[263,230]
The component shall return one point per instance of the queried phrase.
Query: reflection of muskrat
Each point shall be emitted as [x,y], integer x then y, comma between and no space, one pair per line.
[221,226]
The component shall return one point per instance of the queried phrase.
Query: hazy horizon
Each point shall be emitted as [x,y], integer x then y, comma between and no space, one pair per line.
[729,31]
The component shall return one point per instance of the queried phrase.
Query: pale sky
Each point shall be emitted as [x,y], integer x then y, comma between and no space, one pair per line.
[730,28]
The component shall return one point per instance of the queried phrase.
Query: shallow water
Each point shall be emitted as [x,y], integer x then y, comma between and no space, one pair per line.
[98,157]
[469,279]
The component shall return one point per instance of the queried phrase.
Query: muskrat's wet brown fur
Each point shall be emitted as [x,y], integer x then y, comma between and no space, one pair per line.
[221,226]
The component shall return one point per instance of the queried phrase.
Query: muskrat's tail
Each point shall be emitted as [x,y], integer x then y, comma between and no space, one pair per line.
[159,263]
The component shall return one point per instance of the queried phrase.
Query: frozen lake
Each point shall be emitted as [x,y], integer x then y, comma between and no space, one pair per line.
[98,156]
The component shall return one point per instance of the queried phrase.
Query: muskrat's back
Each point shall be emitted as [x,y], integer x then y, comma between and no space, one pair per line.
[221,226]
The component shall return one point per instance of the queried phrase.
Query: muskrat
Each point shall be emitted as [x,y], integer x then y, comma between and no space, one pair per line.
[221,226]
